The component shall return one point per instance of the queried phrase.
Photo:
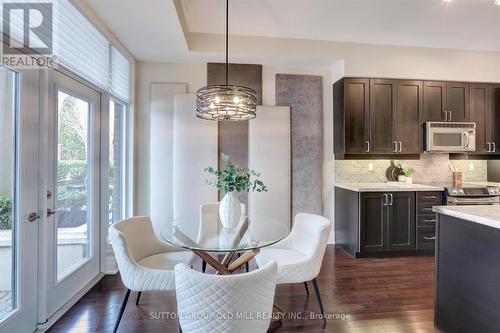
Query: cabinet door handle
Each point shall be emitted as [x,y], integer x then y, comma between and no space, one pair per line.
[427,209]
[430,221]
[489,147]
[395,146]
[449,118]
[392,200]
[385,199]
[430,196]
[367,146]
[400,146]
[429,238]
[494,147]
[445,115]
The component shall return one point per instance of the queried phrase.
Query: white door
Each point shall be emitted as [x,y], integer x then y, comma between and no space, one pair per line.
[19,119]
[71,226]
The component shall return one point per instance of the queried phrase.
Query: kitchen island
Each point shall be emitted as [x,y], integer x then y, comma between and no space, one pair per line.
[468,269]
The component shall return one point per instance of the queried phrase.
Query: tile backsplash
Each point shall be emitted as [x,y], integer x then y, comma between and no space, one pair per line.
[431,168]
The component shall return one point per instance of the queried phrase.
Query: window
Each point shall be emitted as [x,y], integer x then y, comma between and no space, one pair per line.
[8,228]
[117,153]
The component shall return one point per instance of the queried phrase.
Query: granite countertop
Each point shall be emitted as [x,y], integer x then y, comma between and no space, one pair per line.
[486,215]
[385,187]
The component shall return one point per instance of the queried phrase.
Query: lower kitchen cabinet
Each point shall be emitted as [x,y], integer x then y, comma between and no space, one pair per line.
[385,223]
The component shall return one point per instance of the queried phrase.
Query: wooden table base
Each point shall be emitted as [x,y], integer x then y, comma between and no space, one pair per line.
[226,267]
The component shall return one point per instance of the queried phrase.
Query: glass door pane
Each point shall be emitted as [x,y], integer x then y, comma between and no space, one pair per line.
[8,203]
[116,177]
[73,115]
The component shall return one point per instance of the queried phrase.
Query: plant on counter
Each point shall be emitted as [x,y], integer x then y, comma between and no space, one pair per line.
[233,179]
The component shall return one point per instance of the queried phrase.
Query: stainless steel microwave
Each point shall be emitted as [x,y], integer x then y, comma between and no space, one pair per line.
[450,136]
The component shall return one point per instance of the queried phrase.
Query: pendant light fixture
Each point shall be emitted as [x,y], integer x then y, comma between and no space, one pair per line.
[225,102]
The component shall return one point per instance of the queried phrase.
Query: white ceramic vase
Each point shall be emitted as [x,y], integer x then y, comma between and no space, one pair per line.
[229,210]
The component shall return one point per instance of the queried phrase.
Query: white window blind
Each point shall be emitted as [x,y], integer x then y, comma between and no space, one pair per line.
[120,75]
[79,46]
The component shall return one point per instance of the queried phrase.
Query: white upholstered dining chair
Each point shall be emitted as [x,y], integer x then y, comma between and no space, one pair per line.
[210,225]
[300,254]
[205,302]
[145,263]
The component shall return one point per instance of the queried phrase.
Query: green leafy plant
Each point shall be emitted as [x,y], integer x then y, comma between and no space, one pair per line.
[408,171]
[233,178]
[5,213]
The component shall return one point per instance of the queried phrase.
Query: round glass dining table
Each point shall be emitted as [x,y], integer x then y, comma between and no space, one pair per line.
[206,237]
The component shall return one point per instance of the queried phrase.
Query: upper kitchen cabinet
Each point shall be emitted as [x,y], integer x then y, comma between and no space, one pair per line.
[457,101]
[434,102]
[480,113]
[493,131]
[408,107]
[376,116]
[351,115]
[382,111]
[445,101]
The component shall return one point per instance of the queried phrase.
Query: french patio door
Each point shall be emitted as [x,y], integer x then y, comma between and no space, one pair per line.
[71,190]
[19,214]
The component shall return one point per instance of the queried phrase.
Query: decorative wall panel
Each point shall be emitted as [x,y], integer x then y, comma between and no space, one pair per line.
[162,144]
[270,154]
[233,136]
[304,95]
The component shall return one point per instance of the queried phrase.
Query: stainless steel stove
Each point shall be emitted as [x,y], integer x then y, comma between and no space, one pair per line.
[475,195]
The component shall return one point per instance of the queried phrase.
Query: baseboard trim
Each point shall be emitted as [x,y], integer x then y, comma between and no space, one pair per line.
[68,305]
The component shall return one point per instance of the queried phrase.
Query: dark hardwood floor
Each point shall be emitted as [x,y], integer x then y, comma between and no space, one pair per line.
[379,295]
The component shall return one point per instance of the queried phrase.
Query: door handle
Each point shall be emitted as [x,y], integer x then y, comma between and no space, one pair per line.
[449,119]
[368,146]
[489,147]
[494,147]
[385,199]
[429,238]
[33,216]
[395,146]
[392,200]
[430,221]
[400,146]
[51,212]
[445,115]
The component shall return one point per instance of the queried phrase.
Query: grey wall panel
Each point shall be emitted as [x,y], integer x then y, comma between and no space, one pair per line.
[233,136]
[304,95]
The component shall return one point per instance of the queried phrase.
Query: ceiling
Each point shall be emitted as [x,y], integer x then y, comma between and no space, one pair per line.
[152,31]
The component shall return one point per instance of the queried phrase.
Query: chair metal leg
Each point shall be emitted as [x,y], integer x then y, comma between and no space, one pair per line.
[122,309]
[247,266]
[318,297]
[307,288]
[203,266]
[138,298]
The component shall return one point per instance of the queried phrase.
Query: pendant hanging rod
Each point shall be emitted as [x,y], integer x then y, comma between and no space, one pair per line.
[227,42]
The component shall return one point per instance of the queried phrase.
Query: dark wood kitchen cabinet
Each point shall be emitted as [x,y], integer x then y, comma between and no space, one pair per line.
[369,224]
[480,113]
[493,131]
[457,101]
[356,102]
[382,111]
[434,102]
[387,221]
[410,98]
[445,101]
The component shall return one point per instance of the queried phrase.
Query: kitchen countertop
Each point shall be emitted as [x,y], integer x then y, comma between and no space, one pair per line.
[385,187]
[486,215]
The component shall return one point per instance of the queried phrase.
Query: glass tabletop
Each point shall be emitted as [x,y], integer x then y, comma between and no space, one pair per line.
[250,233]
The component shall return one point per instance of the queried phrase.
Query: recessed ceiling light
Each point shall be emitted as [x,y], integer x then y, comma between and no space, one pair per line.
[497,2]
[448,0]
